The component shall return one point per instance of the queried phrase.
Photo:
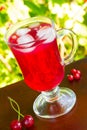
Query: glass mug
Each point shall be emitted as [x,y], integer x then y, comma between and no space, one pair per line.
[39,50]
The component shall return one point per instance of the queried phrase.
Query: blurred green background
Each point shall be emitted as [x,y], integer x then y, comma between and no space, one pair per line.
[71,14]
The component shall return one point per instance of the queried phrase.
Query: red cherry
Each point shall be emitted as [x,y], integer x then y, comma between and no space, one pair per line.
[27,121]
[70,77]
[16,125]
[77,76]
[73,71]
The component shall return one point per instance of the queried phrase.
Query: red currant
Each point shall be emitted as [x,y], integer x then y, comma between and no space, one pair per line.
[77,76]
[70,77]
[73,71]
[16,125]
[78,71]
[27,121]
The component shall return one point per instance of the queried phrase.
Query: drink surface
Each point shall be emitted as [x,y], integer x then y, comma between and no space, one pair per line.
[35,48]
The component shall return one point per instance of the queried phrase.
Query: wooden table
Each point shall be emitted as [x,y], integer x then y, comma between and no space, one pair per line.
[74,120]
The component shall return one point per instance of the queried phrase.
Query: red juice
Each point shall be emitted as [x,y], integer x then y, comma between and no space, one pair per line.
[38,59]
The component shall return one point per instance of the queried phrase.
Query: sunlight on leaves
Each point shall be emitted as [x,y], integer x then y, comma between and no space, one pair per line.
[65,13]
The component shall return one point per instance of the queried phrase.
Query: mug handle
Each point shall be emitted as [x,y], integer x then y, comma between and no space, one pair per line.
[65,37]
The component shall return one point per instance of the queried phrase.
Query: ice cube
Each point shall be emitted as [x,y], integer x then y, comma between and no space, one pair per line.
[25,50]
[26,39]
[47,34]
[25,43]
[22,31]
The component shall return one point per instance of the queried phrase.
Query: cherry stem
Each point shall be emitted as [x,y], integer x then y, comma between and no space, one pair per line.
[18,108]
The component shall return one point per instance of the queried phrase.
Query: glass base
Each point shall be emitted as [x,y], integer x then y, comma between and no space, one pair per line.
[56,106]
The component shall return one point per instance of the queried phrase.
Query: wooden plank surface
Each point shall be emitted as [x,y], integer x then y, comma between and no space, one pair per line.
[74,120]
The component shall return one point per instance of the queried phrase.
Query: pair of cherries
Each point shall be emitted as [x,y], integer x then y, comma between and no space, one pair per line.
[26,122]
[75,75]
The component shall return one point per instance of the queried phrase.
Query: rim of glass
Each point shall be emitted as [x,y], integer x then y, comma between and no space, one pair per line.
[24,23]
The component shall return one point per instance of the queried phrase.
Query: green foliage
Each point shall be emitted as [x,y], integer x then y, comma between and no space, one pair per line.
[36,9]
[3,18]
[66,13]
